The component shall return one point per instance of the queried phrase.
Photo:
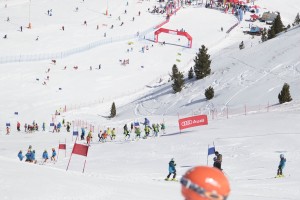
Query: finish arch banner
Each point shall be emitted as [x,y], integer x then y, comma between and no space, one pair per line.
[193,121]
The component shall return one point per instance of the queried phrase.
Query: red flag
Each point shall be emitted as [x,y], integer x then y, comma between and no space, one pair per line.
[80,149]
[62,146]
[188,122]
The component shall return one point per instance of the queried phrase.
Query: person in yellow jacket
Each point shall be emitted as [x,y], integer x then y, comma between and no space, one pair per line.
[108,131]
[147,131]
[113,134]
[89,137]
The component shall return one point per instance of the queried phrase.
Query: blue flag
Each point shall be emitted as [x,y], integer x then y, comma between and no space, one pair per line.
[211,150]
[7,124]
[16,113]
[51,124]
[75,133]
[136,123]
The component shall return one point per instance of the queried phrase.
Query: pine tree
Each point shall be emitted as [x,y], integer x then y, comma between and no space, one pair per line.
[264,35]
[174,72]
[284,95]
[271,33]
[202,63]
[209,93]
[297,20]
[178,79]
[191,73]
[113,111]
[278,26]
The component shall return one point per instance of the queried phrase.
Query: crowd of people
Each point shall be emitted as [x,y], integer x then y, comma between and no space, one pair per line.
[135,128]
[30,156]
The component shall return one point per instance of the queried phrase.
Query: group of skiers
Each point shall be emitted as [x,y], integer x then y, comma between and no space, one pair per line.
[30,155]
[217,165]
[103,135]
[135,128]
[196,183]
[29,128]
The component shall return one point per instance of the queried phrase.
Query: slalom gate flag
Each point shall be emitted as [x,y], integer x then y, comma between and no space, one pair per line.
[16,113]
[211,150]
[62,146]
[136,123]
[75,133]
[7,124]
[193,121]
[51,124]
[80,149]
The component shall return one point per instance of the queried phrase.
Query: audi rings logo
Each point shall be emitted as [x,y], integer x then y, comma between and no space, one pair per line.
[186,123]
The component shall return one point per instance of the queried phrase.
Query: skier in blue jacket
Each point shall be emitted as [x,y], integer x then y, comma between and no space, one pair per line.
[45,156]
[172,170]
[20,155]
[33,156]
[281,165]
[28,156]
[53,154]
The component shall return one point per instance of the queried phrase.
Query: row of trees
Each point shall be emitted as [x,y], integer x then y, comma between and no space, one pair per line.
[201,70]
[277,27]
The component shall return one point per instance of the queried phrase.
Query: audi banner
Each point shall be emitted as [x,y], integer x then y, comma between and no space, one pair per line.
[189,122]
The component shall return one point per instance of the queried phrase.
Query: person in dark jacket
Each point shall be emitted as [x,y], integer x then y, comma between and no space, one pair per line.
[172,170]
[281,165]
[218,160]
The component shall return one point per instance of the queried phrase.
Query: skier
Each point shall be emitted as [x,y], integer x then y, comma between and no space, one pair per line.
[218,160]
[113,134]
[25,126]
[89,137]
[126,131]
[7,130]
[131,127]
[28,156]
[204,183]
[21,28]
[172,170]
[53,154]
[33,157]
[137,132]
[108,131]
[147,122]
[58,127]
[242,46]
[68,127]
[99,136]
[45,156]
[18,126]
[43,126]
[147,131]
[20,155]
[163,127]
[82,133]
[281,165]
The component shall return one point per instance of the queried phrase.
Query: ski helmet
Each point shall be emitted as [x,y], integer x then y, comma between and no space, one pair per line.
[204,183]
[281,156]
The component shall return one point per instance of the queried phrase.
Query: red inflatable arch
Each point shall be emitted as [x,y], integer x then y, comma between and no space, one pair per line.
[173,32]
